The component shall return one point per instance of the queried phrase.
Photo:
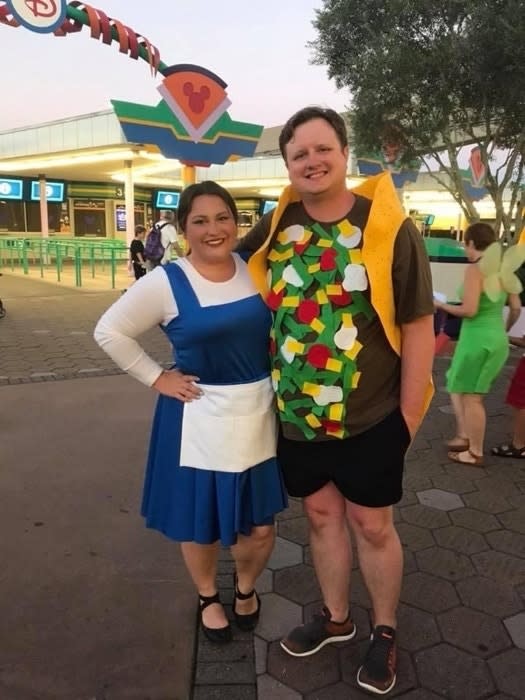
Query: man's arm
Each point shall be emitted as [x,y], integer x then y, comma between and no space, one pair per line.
[413,294]
[254,239]
[417,356]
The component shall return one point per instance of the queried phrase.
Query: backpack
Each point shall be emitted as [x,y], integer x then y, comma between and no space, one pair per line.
[153,248]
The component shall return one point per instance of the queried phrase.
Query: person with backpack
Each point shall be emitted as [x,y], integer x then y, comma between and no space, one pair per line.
[161,240]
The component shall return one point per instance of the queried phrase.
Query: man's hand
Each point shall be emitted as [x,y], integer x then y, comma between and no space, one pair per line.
[177,385]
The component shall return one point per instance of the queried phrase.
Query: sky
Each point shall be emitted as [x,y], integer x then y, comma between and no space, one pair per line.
[258,47]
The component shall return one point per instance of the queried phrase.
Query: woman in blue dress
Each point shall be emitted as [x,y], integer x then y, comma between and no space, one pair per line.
[211,477]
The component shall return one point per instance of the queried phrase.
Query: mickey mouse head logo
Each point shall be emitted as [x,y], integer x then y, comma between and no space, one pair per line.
[197,98]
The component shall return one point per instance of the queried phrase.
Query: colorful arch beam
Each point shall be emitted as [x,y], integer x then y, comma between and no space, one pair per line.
[190,123]
[77,16]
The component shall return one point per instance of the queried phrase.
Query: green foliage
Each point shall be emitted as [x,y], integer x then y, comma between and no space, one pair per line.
[428,65]
[444,72]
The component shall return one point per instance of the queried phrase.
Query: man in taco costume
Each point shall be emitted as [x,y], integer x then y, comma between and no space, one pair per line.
[347,277]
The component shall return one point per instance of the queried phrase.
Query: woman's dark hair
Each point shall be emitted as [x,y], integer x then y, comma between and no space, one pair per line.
[208,187]
[481,235]
[306,115]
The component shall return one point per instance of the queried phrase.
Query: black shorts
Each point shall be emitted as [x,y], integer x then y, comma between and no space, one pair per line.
[366,468]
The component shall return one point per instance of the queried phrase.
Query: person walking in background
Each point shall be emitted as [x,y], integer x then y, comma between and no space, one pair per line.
[212,477]
[162,240]
[483,347]
[169,236]
[136,252]
[348,279]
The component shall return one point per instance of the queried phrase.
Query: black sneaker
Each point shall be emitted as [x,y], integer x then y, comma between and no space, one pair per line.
[310,638]
[378,672]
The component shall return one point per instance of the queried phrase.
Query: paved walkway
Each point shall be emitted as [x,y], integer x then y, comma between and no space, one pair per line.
[461,619]
[92,605]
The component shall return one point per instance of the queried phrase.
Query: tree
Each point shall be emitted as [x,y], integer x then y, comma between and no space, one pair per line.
[440,74]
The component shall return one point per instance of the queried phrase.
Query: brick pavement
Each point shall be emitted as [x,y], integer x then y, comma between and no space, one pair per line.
[47,333]
[462,613]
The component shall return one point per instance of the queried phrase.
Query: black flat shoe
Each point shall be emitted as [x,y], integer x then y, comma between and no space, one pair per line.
[246,623]
[222,635]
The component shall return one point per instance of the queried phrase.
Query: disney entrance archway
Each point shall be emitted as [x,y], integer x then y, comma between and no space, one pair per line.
[190,123]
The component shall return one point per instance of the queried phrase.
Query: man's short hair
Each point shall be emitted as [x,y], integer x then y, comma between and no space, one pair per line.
[306,114]
[167,214]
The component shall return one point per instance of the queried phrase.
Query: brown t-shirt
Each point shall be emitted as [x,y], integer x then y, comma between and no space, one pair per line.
[334,371]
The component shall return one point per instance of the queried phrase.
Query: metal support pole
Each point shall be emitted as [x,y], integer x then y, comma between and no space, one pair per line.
[44,217]
[189,175]
[129,197]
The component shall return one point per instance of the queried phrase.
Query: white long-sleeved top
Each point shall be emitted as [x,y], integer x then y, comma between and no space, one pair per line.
[150,302]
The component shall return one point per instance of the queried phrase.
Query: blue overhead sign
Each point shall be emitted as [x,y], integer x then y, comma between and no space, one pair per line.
[54,191]
[11,189]
[166,199]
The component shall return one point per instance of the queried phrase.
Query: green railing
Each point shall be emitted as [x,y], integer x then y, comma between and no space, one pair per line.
[49,254]
[104,256]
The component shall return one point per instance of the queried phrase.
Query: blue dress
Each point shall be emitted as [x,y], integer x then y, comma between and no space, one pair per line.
[225,344]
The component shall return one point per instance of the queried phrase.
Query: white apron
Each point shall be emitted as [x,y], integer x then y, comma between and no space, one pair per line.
[231,428]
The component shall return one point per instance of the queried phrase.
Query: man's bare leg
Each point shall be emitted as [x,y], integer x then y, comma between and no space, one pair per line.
[331,548]
[332,557]
[380,558]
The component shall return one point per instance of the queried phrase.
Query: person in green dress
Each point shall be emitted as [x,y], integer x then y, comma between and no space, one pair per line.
[483,346]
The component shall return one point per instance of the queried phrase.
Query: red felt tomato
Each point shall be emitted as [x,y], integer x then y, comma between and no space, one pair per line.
[328,259]
[307,311]
[344,298]
[275,300]
[301,247]
[330,425]
[318,355]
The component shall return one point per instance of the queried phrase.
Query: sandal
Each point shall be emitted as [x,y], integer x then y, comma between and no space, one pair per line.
[220,635]
[458,444]
[246,623]
[477,459]
[509,451]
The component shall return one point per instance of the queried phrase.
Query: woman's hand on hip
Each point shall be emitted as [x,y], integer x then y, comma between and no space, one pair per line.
[180,386]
